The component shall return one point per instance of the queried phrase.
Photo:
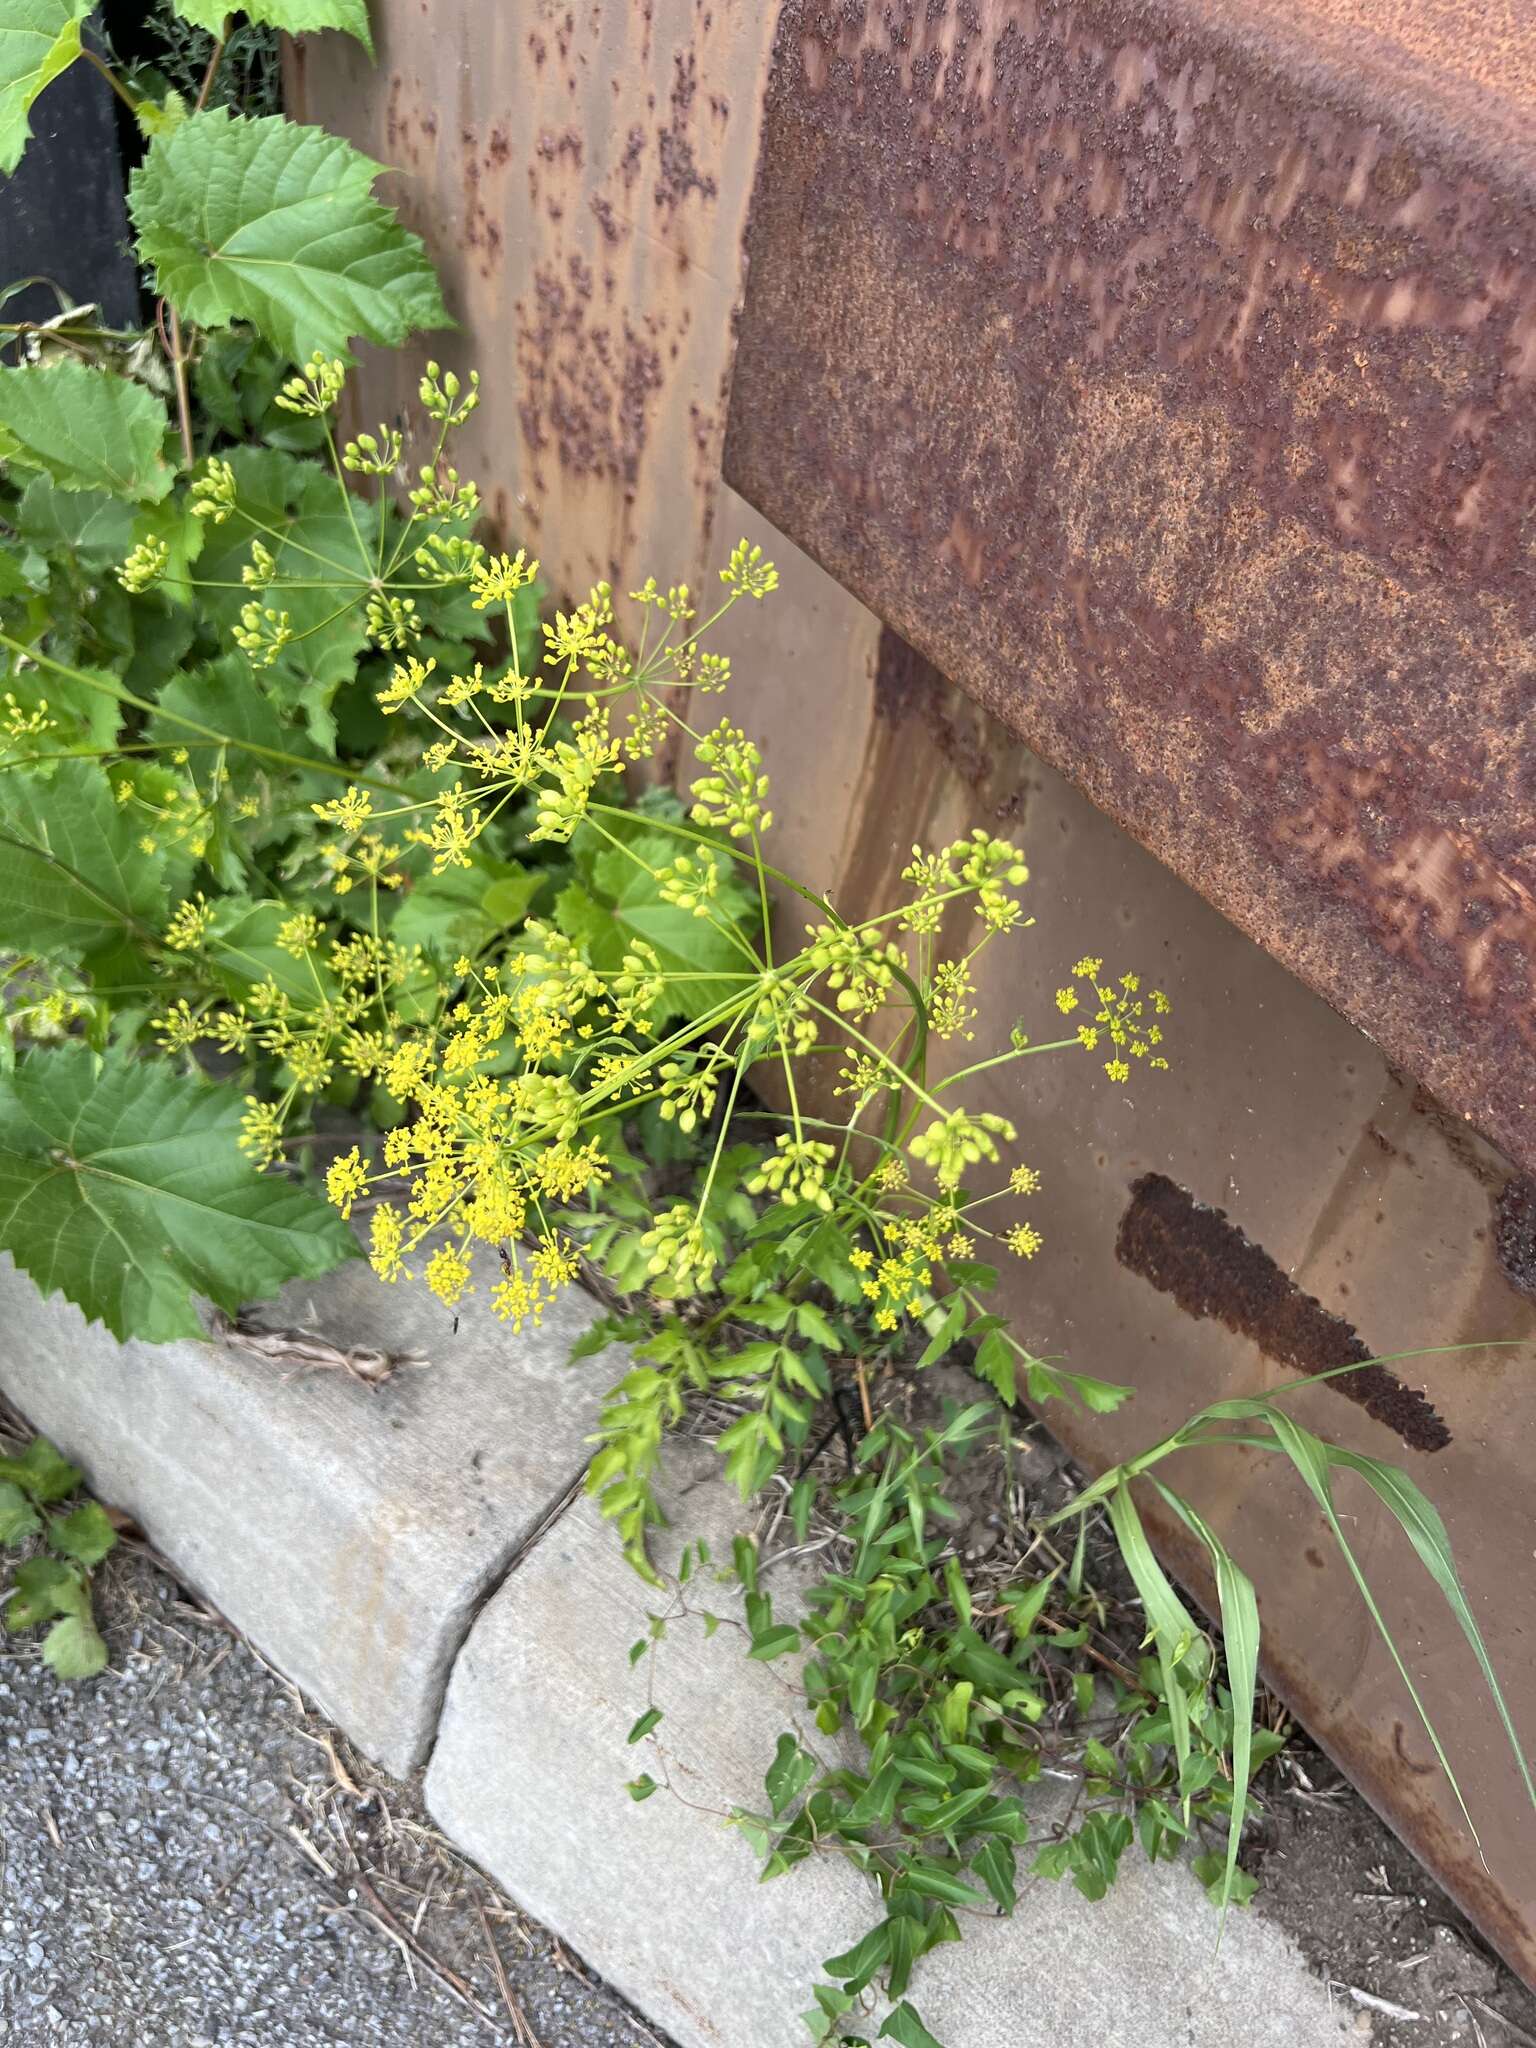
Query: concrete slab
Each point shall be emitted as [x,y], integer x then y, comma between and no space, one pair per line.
[528,1776]
[350,1531]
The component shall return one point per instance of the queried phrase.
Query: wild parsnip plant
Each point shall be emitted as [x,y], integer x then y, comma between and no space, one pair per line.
[300,784]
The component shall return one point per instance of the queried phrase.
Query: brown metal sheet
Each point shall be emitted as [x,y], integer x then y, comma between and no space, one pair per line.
[1163,372]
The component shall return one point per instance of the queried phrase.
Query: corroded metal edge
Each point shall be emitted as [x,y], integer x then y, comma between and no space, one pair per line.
[1181,414]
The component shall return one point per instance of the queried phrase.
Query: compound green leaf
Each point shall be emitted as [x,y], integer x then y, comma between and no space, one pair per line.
[293,17]
[273,222]
[86,429]
[122,1187]
[73,875]
[38,40]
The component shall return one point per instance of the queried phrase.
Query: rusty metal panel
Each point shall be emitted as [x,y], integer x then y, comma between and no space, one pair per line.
[1356,1211]
[1164,373]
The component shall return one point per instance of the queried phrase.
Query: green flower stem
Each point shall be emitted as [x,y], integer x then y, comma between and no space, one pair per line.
[206,732]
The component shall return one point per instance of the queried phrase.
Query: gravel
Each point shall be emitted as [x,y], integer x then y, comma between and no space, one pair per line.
[189,1856]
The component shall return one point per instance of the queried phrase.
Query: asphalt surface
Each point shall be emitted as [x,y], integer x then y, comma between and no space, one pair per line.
[189,1858]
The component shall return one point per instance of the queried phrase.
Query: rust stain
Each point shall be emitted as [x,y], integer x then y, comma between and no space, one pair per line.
[1169,387]
[586,388]
[1212,1268]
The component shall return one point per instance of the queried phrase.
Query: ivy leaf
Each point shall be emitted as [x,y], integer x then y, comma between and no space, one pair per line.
[73,876]
[273,222]
[38,40]
[293,17]
[904,2026]
[73,1647]
[86,429]
[790,1772]
[122,1187]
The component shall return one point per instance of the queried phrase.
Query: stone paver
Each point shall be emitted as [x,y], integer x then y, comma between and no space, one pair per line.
[528,1776]
[350,1531]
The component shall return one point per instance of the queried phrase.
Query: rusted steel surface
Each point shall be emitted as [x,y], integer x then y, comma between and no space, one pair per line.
[571,251]
[1165,373]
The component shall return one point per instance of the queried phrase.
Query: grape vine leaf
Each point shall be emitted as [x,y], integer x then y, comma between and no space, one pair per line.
[292,17]
[74,876]
[38,40]
[273,222]
[87,429]
[621,901]
[121,1187]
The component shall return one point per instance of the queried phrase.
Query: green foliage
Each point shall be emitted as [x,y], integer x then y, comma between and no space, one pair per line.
[38,40]
[272,223]
[85,429]
[51,1557]
[292,17]
[122,1186]
[76,877]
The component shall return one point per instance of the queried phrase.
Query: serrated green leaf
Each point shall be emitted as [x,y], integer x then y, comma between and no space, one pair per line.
[621,902]
[18,1518]
[122,1187]
[323,566]
[85,429]
[73,875]
[464,909]
[291,17]
[86,1534]
[73,1648]
[273,222]
[38,40]
[995,1363]
[93,526]
[42,1588]
[42,1472]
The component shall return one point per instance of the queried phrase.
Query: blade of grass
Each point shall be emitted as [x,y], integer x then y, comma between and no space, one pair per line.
[1420,1522]
[1310,1456]
[1172,1626]
[1240,1638]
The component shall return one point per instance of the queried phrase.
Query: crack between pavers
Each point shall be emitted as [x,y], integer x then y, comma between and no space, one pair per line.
[497,1575]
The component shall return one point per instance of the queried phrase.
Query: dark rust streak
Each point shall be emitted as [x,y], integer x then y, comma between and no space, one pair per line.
[1212,1268]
